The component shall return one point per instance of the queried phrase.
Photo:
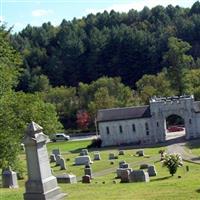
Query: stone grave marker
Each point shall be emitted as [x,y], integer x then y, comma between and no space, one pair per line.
[86,179]
[88,171]
[84,152]
[121,152]
[62,164]
[9,179]
[144,166]
[121,163]
[97,156]
[58,157]
[125,176]
[56,152]
[140,152]
[52,158]
[66,178]
[152,170]
[120,171]
[139,176]
[112,156]
[41,184]
[82,160]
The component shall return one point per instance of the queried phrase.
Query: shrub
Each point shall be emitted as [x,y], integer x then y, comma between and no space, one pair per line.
[96,143]
[172,162]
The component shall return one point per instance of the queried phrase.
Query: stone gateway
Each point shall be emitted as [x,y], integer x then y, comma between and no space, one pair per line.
[147,124]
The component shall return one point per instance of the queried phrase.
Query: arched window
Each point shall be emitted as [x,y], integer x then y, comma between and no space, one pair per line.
[133,127]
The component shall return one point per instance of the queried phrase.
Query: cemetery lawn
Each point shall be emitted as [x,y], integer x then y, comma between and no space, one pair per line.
[102,187]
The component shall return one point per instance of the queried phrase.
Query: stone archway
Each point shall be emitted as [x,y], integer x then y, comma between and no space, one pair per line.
[174,127]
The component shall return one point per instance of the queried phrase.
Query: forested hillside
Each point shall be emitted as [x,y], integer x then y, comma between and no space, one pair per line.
[126,45]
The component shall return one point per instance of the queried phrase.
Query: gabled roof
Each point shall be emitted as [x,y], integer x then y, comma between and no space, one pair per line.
[115,114]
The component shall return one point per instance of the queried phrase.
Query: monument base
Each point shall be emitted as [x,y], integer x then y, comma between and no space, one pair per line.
[54,194]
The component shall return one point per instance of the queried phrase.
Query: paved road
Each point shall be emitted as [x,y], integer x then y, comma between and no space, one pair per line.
[79,138]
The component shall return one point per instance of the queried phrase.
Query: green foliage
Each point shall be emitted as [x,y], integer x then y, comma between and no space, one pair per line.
[154,85]
[178,62]
[126,45]
[172,162]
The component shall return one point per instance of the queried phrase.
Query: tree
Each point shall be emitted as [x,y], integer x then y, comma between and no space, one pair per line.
[178,62]
[172,162]
[154,85]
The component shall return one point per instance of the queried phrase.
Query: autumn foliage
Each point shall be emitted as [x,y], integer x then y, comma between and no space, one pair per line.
[83,119]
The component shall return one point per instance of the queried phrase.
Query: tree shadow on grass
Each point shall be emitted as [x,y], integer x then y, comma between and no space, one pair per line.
[198,190]
[161,179]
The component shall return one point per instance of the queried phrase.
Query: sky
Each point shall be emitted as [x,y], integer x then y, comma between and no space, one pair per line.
[20,13]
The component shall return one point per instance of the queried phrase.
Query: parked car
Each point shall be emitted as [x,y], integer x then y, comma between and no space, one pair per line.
[60,137]
[175,128]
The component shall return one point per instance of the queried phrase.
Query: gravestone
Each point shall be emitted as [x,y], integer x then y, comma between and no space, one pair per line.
[144,166]
[66,178]
[62,164]
[140,152]
[121,152]
[139,176]
[9,179]
[125,166]
[41,184]
[152,170]
[56,152]
[58,157]
[86,179]
[121,163]
[97,156]
[88,171]
[112,156]
[52,158]
[125,176]
[84,152]
[83,160]
[120,171]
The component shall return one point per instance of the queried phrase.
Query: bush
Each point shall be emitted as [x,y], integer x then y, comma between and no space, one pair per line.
[96,143]
[172,162]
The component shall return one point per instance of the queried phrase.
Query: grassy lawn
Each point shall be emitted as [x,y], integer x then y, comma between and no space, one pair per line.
[162,186]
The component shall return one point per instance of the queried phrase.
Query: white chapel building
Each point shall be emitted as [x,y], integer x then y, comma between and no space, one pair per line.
[147,124]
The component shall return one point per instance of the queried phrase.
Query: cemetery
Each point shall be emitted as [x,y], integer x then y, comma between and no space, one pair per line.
[132,172]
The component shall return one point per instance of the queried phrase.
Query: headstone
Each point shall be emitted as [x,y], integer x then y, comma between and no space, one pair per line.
[66,178]
[125,166]
[125,176]
[152,170]
[62,164]
[111,156]
[121,152]
[58,157]
[187,168]
[52,158]
[144,166]
[140,152]
[120,171]
[56,152]
[86,179]
[139,176]
[83,160]
[88,171]
[41,184]
[97,156]
[9,179]
[121,163]
[84,152]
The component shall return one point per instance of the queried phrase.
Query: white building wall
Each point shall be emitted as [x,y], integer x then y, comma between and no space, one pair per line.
[127,136]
